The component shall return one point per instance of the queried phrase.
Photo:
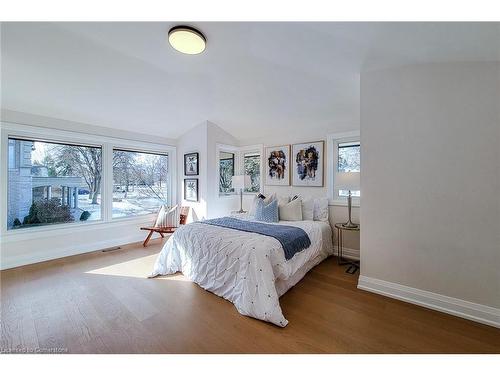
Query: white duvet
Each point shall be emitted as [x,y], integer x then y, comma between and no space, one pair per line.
[248,269]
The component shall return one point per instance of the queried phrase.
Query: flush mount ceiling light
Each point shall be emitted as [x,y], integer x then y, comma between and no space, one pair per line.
[187,40]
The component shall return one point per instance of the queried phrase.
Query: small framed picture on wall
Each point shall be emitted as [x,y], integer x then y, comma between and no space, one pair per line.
[191,167]
[277,165]
[308,164]
[191,189]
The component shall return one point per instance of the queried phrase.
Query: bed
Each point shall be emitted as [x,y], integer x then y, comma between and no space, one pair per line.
[248,269]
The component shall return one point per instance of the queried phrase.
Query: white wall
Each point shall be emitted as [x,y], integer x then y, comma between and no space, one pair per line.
[204,139]
[430,137]
[194,140]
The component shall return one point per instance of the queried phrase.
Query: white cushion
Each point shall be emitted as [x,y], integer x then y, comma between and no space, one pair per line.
[307,209]
[283,200]
[320,209]
[291,211]
[168,217]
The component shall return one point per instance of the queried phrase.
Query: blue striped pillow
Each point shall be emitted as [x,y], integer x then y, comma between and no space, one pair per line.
[268,213]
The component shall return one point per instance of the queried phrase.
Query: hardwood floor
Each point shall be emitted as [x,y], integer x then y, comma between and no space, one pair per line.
[102,303]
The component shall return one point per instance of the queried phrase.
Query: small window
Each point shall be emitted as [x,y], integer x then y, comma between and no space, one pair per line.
[349,161]
[226,172]
[52,183]
[140,182]
[251,165]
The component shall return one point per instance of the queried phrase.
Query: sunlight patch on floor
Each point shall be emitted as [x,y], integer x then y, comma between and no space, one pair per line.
[138,267]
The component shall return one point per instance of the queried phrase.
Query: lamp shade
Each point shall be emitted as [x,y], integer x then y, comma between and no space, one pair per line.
[241,181]
[348,180]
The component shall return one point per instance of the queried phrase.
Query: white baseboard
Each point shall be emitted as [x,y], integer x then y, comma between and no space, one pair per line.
[74,249]
[454,306]
[347,253]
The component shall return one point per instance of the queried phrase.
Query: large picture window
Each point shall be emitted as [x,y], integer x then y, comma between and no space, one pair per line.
[52,183]
[140,182]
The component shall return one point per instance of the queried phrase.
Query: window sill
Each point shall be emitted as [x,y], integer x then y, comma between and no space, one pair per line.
[342,203]
[24,234]
[228,195]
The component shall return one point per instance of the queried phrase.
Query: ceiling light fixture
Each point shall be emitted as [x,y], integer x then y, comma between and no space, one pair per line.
[187,40]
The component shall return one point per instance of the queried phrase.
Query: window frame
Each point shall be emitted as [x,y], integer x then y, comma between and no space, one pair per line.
[14,130]
[142,151]
[239,153]
[232,150]
[333,140]
[251,149]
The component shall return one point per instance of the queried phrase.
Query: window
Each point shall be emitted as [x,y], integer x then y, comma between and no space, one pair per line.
[348,160]
[251,167]
[52,183]
[226,172]
[344,155]
[140,182]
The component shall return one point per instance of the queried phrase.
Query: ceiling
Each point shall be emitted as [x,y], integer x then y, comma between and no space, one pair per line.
[253,78]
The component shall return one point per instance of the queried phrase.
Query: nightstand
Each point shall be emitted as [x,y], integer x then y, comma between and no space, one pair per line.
[353,264]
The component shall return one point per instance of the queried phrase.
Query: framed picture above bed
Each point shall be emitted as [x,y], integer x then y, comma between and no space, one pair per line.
[191,164]
[191,189]
[277,165]
[308,164]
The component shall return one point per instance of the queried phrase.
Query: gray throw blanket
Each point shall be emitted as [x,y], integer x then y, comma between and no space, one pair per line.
[292,239]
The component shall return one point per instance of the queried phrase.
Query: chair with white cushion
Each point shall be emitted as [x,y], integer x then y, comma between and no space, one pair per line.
[167,221]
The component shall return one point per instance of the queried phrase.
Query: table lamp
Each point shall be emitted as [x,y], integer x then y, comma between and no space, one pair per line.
[241,182]
[348,181]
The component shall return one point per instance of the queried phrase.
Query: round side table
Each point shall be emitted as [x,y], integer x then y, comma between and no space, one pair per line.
[353,265]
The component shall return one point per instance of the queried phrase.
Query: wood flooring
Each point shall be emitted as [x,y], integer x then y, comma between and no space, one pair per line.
[102,302]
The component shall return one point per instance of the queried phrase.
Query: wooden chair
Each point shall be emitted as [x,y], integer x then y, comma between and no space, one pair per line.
[165,230]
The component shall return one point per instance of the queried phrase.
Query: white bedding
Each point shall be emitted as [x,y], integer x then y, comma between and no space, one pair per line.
[248,269]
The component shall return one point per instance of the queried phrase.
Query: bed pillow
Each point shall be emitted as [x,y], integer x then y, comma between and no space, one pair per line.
[291,211]
[307,209]
[168,217]
[283,200]
[267,212]
[321,209]
[256,199]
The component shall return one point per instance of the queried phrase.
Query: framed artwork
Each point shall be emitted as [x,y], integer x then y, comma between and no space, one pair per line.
[277,165]
[191,164]
[191,189]
[308,164]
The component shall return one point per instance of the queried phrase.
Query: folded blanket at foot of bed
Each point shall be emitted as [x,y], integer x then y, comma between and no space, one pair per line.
[292,239]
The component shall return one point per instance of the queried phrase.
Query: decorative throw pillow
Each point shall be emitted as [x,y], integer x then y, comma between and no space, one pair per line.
[168,217]
[321,209]
[267,213]
[291,211]
[307,209]
[283,200]
[256,199]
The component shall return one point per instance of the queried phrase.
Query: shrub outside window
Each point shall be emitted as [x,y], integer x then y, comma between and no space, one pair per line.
[52,183]
[226,172]
[251,166]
